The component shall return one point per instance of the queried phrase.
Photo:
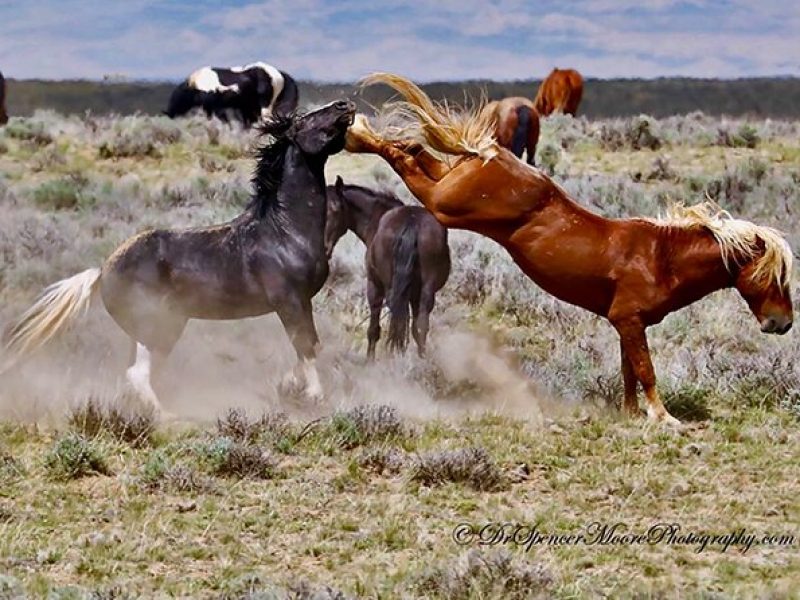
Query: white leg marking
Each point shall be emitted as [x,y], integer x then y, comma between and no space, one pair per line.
[139,377]
[313,386]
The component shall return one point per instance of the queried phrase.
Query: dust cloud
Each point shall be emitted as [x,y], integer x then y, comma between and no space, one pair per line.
[217,365]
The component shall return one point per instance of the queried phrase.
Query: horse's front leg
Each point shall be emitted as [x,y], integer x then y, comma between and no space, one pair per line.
[361,139]
[630,402]
[433,167]
[298,320]
[634,343]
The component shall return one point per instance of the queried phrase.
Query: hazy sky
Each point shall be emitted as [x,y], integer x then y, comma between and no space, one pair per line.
[443,39]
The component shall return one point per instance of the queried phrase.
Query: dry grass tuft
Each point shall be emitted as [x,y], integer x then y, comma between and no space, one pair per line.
[383,461]
[94,418]
[365,424]
[478,574]
[228,458]
[472,466]
[234,424]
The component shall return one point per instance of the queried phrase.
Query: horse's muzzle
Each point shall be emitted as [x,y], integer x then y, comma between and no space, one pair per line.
[779,325]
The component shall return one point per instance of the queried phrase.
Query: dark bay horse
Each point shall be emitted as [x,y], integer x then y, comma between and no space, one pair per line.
[560,92]
[271,258]
[407,258]
[516,125]
[633,272]
[3,113]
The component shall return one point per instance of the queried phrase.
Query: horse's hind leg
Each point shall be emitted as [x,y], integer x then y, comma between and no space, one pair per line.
[138,376]
[152,340]
[375,297]
[298,320]
[421,320]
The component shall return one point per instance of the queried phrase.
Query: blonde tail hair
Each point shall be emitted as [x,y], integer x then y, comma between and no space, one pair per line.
[442,128]
[56,308]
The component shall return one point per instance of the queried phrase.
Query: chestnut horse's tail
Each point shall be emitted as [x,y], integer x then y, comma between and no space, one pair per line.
[406,262]
[57,307]
[443,128]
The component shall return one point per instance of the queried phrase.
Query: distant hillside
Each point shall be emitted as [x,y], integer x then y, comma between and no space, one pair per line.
[775,97]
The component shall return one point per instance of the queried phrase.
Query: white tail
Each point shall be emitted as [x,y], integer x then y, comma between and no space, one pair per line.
[57,307]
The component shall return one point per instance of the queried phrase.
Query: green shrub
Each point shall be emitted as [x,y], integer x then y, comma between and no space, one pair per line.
[228,458]
[688,403]
[73,456]
[363,425]
[28,130]
[61,194]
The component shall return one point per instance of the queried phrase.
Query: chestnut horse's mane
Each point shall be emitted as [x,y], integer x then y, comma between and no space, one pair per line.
[738,239]
[438,125]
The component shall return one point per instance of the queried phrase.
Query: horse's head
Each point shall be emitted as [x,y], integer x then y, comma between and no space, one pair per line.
[336,222]
[766,293]
[322,132]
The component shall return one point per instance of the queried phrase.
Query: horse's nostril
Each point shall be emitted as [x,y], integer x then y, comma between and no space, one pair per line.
[786,327]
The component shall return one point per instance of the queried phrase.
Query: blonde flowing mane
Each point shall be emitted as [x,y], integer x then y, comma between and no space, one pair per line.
[438,125]
[738,239]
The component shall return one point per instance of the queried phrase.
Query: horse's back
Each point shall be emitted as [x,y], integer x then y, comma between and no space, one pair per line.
[431,243]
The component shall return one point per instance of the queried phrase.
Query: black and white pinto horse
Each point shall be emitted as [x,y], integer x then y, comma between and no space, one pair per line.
[252,92]
[3,113]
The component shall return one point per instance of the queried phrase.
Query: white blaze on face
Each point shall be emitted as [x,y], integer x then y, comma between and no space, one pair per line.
[207,80]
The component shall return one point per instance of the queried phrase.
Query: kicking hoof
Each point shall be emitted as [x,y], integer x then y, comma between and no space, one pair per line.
[360,135]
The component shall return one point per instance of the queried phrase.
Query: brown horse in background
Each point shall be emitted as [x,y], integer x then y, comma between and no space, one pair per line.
[633,272]
[3,113]
[408,259]
[516,125]
[560,92]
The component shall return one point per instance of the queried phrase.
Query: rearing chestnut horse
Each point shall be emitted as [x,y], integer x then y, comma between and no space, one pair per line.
[631,271]
[271,258]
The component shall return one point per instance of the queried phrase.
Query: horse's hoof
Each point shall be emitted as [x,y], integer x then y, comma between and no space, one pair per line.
[359,135]
[665,419]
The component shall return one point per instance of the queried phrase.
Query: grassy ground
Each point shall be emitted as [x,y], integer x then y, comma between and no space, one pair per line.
[507,422]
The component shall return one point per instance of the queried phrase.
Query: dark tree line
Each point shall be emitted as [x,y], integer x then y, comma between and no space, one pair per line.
[768,97]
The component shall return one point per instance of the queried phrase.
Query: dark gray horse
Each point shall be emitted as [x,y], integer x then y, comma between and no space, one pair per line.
[269,258]
[407,258]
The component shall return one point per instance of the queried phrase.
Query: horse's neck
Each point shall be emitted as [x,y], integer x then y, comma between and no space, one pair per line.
[301,200]
[695,263]
[365,216]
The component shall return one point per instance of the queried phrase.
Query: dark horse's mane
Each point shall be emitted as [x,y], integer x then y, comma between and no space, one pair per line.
[269,163]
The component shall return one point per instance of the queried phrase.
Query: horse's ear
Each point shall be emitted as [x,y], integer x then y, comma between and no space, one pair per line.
[339,185]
